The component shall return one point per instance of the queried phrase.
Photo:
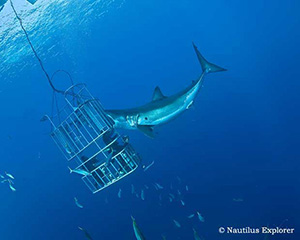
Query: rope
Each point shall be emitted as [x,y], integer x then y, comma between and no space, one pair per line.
[34,51]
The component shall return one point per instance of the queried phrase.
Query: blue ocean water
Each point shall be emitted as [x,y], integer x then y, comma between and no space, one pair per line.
[239,141]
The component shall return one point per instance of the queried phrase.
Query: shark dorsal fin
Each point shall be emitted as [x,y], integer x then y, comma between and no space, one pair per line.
[157,94]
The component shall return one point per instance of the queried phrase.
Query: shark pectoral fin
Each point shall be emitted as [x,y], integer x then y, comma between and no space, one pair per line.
[147,130]
[157,94]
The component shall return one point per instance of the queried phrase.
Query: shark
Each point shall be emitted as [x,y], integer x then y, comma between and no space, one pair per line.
[162,109]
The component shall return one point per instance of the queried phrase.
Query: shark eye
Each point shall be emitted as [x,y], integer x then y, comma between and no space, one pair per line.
[146,118]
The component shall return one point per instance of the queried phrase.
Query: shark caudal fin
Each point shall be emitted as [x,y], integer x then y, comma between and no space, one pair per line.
[206,66]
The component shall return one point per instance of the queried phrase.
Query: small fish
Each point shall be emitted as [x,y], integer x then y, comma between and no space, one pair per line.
[179,193]
[137,231]
[238,200]
[186,188]
[196,236]
[12,188]
[146,187]
[159,186]
[1,176]
[80,171]
[171,199]
[150,165]
[142,195]
[171,195]
[160,197]
[120,193]
[68,150]
[178,178]
[137,195]
[10,181]
[5,180]
[132,189]
[201,218]
[191,216]
[182,202]
[9,175]
[77,203]
[87,235]
[177,224]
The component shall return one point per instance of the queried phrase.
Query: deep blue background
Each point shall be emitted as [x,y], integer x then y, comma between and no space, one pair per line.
[241,139]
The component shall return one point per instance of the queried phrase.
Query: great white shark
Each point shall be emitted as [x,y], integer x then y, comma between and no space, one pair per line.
[162,109]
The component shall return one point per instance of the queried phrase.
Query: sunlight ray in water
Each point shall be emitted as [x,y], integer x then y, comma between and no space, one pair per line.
[55,17]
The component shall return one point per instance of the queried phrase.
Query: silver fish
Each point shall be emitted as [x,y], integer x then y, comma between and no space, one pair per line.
[150,165]
[9,175]
[137,231]
[238,200]
[159,186]
[77,203]
[196,236]
[191,216]
[171,195]
[120,192]
[177,224]
[12,188]
[132,189]
[142,195]
[201,218]
[80,171]
[87,235]
[10,181]
[160,197]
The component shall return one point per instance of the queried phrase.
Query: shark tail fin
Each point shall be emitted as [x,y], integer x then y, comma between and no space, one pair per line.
[206,66]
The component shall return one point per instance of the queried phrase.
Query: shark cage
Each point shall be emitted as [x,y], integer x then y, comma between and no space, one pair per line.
[85,134]
[86,137]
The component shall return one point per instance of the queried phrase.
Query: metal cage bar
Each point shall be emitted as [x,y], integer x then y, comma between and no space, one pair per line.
[86,137]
